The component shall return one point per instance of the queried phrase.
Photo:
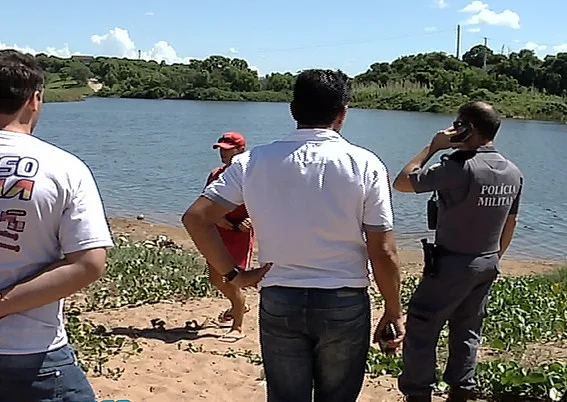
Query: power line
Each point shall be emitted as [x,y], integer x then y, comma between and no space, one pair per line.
[346,43]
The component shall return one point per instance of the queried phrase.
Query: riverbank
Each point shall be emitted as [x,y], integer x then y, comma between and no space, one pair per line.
[67,90]
[147,330]
[511,105]
[411,260]
[426,82]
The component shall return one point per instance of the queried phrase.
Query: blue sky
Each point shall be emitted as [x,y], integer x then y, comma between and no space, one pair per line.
[275,35]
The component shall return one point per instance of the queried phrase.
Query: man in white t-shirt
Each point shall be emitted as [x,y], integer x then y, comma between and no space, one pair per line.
[53,240]
[321,208]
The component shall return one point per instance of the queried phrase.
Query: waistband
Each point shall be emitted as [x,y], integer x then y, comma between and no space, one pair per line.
[312,290]
[444,252]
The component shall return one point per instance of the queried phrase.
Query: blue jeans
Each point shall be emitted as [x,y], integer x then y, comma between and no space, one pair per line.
[44,377]
[314,340]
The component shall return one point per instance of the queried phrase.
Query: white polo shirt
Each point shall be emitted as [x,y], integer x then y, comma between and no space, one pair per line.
[49,206]
[310,196]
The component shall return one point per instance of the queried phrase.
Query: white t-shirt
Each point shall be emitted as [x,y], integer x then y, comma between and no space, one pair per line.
[310,196]
[49,206]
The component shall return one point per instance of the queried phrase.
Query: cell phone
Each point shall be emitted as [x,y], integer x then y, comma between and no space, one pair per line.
[464,131]
[389,333]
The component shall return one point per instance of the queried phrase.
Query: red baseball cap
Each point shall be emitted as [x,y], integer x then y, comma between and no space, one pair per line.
[230,140]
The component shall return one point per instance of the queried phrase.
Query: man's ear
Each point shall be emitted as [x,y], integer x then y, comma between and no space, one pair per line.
[340,119]
[35,100]
[474,130]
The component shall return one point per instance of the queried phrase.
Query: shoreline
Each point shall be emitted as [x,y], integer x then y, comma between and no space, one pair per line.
[410,259]
[355,105]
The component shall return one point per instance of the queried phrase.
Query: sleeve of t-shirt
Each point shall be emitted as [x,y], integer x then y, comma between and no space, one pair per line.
[377,209]
[441,176]
[209,179]
[516,204]
[83,224]
[227,189]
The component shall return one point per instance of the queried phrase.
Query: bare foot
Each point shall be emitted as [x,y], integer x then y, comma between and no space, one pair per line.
[227,315]
[232,336]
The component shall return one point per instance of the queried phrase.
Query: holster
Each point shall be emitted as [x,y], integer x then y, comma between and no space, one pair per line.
[430,258]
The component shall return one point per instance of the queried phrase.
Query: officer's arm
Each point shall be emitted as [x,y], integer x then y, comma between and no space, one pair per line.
[403,181]
[509,226]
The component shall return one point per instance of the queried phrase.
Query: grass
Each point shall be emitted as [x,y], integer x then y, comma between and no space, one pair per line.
[418,98]
[526,314]
[64,90]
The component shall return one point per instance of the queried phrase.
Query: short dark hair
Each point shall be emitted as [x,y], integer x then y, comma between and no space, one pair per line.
[20,77]
[483,116]
[319,96]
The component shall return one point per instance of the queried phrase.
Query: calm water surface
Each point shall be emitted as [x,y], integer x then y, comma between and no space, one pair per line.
[152,157]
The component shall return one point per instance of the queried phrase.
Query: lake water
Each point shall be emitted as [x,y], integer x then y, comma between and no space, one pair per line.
[152,157]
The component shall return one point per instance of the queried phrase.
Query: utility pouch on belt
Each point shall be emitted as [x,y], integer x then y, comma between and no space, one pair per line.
[432,211]
[430,267]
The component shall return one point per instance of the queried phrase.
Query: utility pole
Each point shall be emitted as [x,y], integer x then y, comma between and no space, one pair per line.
[502,50]
[139,54]
[458,41]
[485,52]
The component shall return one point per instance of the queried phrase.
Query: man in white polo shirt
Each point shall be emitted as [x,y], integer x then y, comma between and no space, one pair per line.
[321,208]
[53,240]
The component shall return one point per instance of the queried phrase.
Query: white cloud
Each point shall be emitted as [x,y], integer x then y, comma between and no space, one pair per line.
[473,30]
[475,7]
[482,14]
[441,3]
[534,46]
[50,51]
[117,42]
[430,29]
[149,14]
[560,48]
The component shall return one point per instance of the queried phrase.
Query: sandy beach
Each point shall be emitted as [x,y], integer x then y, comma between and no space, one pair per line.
[183,365]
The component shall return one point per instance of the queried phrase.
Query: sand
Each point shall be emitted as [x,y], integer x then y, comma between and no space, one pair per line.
[180,365]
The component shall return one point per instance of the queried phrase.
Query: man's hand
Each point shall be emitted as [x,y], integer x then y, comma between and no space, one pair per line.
[394,344]
[57,281]
[225,224]
[245,225]
[442,140]
[250,278]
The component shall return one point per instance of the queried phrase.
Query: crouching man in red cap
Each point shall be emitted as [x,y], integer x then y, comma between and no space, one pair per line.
[236,232]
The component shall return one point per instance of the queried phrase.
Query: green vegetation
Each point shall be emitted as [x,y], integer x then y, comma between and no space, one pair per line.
[526,317]
[525,326]
[137,273]
[62,88]
[520,85]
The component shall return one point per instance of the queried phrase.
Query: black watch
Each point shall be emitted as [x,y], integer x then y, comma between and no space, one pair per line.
[232,274]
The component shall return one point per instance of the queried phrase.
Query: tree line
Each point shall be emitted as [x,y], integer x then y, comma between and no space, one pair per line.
[426,81]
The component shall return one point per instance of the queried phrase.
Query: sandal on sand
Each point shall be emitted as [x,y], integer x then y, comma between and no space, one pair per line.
[226,315]
[232,337]
[194,325]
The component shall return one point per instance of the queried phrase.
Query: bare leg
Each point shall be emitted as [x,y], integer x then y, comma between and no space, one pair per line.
[237,301]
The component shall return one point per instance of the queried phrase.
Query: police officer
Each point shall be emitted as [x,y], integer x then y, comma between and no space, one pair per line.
[478,193]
